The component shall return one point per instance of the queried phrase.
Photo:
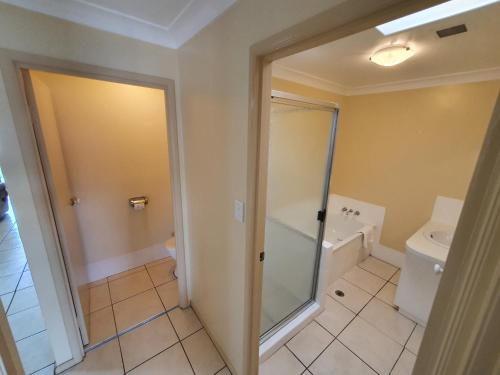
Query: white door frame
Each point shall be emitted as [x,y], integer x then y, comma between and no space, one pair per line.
[22,168]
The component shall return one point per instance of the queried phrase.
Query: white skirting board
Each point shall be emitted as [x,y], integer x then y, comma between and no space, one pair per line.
[103,268]
[389,255]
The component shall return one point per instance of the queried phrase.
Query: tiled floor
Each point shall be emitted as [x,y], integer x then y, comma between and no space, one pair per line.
[136,327]
[20,302]
[359,332]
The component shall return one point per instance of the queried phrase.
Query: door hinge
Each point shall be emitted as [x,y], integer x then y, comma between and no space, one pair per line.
[321,215]
[261,256]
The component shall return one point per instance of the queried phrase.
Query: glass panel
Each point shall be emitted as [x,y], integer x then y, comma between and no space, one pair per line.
[298,150]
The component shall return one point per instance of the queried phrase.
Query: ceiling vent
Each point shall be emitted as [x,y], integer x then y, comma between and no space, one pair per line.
[443,33]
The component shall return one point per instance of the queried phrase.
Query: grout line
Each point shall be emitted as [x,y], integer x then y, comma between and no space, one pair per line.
[15,292]
[156,355]
[43,368]
[116,328]
[33,334]
[182,346]
[402,351]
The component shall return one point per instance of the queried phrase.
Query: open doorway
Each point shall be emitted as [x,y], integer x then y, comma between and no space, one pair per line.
[407,144]
[104,150]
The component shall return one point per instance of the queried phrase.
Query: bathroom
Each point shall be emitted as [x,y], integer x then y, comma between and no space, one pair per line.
[106,156]
[354,255]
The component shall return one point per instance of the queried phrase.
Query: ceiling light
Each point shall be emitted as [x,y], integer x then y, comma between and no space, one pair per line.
[435,13]
[392,55]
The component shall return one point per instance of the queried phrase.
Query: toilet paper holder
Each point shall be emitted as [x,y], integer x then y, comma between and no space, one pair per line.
[138,201]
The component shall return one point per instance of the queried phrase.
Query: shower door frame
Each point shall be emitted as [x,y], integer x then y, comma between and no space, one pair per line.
[287,98]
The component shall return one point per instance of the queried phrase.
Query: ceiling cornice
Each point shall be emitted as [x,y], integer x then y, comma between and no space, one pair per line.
[195,16]
[286,73]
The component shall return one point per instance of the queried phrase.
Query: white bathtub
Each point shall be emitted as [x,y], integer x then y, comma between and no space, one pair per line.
[342,249]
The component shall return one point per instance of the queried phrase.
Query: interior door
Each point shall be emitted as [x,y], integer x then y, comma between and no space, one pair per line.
[62,201]
[301,139]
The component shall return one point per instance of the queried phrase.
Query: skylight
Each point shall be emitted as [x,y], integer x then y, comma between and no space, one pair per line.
[435,13]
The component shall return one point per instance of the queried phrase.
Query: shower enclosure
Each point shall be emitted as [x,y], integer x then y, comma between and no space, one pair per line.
[301,145]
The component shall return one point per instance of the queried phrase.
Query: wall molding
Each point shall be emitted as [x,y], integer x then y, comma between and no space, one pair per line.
[289,74]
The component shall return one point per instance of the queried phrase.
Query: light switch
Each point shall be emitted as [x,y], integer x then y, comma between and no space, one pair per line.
[239,211]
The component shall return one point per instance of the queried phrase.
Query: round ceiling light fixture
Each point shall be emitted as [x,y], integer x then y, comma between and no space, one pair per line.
[393,55]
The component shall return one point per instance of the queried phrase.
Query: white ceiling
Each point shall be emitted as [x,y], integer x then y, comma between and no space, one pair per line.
[169,23]
[343,66]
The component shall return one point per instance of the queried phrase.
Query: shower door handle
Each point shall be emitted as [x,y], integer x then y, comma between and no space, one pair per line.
[321,215]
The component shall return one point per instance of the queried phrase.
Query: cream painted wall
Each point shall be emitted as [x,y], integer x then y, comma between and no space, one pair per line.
[214,71]
[114,140]
[401,149]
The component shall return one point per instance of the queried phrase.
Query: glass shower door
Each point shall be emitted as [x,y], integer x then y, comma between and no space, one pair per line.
[301,139]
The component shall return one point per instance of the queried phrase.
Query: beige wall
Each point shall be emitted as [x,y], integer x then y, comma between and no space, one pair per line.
[214,72]
[401,149]
[114,141]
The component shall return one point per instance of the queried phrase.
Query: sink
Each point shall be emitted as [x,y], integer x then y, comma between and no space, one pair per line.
[440,237]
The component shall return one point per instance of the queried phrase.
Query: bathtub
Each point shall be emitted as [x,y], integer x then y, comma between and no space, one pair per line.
[342,249]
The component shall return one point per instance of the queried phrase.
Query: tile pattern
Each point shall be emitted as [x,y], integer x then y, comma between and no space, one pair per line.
[20,302]
[139,329]
[359,332]
[126,300]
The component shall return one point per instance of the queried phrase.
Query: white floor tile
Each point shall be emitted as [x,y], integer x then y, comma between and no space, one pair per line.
[102,325]
[378,267]
[415,340]
[99,297]
[185,321]
[49,370]
[368,343]
[405,363]
[137,309]
[169,294]
[338,360]
[144,342]
[335,317]
[23,299]
[281,362]
[126,273]
[8,283]
[6,299]
[172,361]
[224,371]
[12,267]
[387,293]
[129,286]
[395,278]
[26,280]
[104,360]
[309,342]
[12,255]
[162,272]
[202,354]
[387,320]
[353,297]
[26,323]
[364,280]
[35,352]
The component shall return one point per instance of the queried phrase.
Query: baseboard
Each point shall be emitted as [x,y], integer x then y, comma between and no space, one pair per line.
[388,255]
[107,267]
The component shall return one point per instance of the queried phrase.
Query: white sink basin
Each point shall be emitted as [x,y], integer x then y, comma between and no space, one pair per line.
[440,237]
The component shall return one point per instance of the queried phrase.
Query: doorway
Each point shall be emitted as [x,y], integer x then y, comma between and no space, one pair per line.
[105,155]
